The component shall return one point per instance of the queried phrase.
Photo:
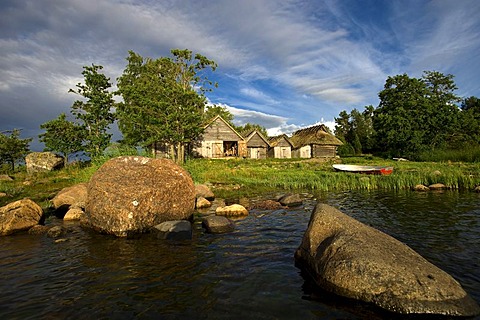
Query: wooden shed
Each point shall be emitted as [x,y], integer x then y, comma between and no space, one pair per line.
[220,140]
[257,145]
[314,142]
[280,147]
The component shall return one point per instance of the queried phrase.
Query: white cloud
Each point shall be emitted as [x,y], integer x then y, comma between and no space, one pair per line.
[290,61]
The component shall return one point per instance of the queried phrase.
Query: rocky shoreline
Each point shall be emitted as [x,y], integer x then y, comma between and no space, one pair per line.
[130,196]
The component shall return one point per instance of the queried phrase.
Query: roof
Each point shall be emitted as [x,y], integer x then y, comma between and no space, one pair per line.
[314,135]
[249,135]
[218,117]
[275,140]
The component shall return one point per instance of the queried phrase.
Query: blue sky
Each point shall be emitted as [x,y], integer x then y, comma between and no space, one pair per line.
[282,64]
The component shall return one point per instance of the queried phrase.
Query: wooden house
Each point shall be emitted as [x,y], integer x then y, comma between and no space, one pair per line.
[280,147]
[257,145]
[314,142]
[220,140]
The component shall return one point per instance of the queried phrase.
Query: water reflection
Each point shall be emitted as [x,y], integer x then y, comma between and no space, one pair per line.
[249,273]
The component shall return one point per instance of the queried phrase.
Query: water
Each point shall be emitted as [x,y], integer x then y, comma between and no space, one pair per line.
[248,274]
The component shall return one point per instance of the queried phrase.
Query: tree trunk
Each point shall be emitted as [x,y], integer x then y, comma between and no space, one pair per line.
[180,150]
[172,153]
[154,150]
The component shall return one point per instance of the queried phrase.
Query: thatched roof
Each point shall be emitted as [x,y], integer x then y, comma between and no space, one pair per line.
[314,135]
[275,140]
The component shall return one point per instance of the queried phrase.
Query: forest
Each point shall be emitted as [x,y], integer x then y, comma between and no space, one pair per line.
[418,119]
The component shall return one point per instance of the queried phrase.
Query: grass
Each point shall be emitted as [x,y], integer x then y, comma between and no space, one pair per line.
[241,176]
[316,175]
[469,154]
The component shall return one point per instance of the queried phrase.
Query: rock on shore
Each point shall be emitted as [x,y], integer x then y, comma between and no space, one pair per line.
[129,195]
[19,216]
[351,259]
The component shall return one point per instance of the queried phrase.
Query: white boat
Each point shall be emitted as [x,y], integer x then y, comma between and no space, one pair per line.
[383,170]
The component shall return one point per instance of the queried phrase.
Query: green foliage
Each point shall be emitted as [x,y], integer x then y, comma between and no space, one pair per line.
[250,127]
[346,150]
[470,121]
[96,112]
[62,136]
[213,110]
[417,115]
[12,147]
[356,130]
[161,104]
[467,154]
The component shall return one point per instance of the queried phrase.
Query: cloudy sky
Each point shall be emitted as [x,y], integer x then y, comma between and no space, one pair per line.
[281,64]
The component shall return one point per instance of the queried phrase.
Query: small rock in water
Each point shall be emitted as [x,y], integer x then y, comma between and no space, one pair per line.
[218,224]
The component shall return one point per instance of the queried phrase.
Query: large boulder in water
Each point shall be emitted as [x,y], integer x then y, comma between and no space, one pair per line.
[19,216]
[351,259]
[43,162]
[129,195]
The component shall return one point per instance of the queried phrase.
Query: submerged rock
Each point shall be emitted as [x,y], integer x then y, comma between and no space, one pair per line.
[351,259]
[267,205]
[437,186]
[218,224]
[129,195]
[174,230]
[421,187]
[291,200]
[19,216]
[56,232]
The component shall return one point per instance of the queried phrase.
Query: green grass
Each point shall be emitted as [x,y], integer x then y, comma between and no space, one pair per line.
[316,175]
[470,154]
[245,177]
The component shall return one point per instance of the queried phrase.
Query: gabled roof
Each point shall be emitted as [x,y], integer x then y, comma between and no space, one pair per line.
[314,135]
[249,135]
[219,118]
[274,141]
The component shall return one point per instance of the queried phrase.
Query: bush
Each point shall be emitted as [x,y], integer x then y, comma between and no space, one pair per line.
[466,154]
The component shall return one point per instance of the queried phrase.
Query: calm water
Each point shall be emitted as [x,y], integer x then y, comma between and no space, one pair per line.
[248,274]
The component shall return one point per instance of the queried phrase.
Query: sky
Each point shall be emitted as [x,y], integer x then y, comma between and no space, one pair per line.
[284,65]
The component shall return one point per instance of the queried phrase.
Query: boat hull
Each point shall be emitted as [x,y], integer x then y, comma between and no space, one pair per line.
[380,170]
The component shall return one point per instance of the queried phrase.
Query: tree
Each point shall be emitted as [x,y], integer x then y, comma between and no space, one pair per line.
[356,130]
[62,136]
[249,127]
[416,115]
[213,110]
[400,120]
[442,112]
[342,126]
[96,112]
[164,100]
[470,120]
[12,147]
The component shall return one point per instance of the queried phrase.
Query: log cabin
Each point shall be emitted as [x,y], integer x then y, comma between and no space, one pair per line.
[314,142]
[220,140]
[257,145]
[280,147]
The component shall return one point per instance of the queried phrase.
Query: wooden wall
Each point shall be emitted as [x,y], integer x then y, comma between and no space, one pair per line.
[319,151]
[280,152]
[220,131]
